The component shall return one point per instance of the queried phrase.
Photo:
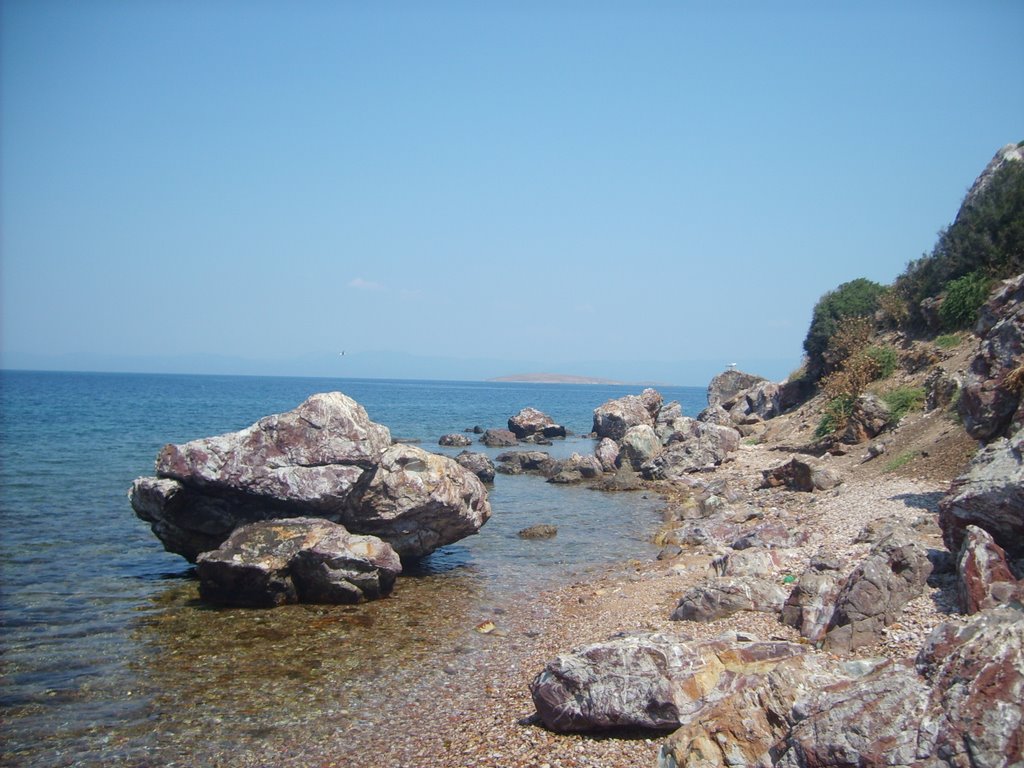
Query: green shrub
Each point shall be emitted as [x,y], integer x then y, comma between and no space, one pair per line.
[948,340]
[885,357]
[964,297]
[837,414]
[903,400]
[857,298]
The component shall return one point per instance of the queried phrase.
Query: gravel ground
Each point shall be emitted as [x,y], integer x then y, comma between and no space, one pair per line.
[479,714]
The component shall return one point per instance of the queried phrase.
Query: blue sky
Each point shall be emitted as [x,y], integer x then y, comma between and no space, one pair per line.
[641,191]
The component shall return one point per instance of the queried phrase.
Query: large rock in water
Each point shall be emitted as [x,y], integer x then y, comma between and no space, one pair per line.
[298,560]
[320,460]
[418,501]
[530,421]
[989,495]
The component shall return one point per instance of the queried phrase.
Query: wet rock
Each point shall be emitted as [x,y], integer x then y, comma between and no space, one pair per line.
[306,560]
[530,421]
[990,495]
[984,579]
[873,595]
[498,438]
[314,461]
[653,681]
[989,402]
[723,596]
[454,440]
[614,418]
[478,463]
[541,531]
[800,475]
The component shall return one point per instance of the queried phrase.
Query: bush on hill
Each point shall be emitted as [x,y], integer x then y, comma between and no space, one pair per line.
[857,298]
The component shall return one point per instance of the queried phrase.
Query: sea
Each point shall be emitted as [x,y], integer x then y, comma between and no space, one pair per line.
[108,657]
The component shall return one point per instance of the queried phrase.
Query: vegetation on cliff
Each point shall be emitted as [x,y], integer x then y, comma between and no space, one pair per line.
[940,292]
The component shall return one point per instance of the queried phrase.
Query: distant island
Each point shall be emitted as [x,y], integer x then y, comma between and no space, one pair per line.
[552,378]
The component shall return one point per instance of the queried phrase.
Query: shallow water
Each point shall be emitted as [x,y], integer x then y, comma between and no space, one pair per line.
[107,655]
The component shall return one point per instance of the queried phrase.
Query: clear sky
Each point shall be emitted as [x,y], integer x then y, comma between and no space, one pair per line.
[635,190]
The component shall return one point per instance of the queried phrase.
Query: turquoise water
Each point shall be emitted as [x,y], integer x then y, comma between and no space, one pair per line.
[103,642]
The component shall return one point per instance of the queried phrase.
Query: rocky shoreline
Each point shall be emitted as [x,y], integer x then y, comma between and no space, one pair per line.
[812,605]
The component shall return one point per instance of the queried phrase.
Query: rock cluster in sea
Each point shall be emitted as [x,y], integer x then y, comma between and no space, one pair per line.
[325,460]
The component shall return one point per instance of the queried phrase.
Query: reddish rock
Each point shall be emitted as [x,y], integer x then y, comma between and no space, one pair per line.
[984,579]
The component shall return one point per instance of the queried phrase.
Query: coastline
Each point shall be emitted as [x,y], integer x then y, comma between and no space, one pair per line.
[482,715]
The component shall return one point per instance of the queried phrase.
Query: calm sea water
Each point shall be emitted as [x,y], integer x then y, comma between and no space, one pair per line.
[106,655]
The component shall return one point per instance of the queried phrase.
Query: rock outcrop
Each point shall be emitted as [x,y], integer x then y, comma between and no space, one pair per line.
[990,495]
[455,440]
[990,401]
[298,560]
[324,459]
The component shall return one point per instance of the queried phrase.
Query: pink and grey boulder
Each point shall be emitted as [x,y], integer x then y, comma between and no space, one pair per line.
[325,459]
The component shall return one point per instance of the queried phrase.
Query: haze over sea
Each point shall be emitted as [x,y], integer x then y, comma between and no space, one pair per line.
[108,658]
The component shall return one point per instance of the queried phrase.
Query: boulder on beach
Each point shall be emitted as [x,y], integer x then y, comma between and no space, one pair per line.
[324,459]
[653,681]
[297,560]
